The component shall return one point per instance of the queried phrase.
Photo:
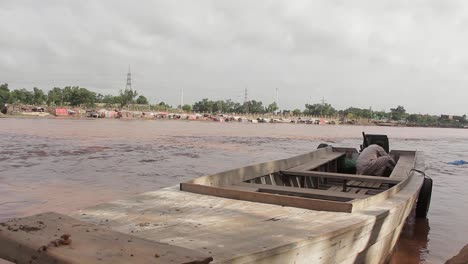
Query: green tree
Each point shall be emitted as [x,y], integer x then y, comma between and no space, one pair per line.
[99,98]
[4,96]
[162,106]
[39,96]
[127,96]
[254,107]
[354,112]
[398,113]
[141,100]
[55,96]
[413,118]
[204,105]
[77,96]
[380,115]
[110,99]
[296,112]
[187,108]
[273,107]
[230,106]
[21,96]
[320,109]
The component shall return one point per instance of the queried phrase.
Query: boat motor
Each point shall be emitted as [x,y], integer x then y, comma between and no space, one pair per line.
[370,139]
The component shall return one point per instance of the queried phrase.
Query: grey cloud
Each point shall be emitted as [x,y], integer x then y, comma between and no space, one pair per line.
[353,53]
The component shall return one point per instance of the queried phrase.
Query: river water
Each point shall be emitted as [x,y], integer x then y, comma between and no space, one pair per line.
[63,165]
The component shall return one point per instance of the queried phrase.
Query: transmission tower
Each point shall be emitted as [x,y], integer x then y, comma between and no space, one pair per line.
[323,100]
[246,95]
[276,97]
[129,80]
[246,99]
[181,97]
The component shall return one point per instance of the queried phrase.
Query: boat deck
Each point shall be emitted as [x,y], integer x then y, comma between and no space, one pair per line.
[240,231]
[235,231]
[310,181]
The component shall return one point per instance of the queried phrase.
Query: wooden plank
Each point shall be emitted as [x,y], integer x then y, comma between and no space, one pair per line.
[278,179]
[362,191]
[318,194]
[361,204]
[272,179]
[55,238]
[354,183]
[315,163]
[336,188]
[258,170]
[342,176]
[353,190]
[404,165]
[284,200]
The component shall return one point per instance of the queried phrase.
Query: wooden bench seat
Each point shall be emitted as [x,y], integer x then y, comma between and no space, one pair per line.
[303,192]
[403,166]
[342,176]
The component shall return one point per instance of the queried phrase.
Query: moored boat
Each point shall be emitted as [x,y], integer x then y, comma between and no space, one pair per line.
[304,209]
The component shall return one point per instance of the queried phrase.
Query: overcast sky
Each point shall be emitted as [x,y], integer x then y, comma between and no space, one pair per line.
[377,54]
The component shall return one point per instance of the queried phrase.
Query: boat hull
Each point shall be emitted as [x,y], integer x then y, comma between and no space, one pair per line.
[239,231]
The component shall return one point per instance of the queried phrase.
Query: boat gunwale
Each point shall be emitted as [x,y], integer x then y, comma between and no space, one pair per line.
[219,184]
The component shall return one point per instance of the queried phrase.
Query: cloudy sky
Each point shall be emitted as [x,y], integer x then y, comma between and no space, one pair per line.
[375,54]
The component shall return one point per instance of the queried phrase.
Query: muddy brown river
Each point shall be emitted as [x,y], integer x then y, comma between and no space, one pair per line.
[63,165]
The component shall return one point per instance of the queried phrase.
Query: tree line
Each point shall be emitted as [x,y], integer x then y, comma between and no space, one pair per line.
[67,96]
[397,114]
[79,96]
[256,107]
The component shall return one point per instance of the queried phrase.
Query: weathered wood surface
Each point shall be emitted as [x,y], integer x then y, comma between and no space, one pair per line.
[255,196]
[222,184]
[234,231]
[324,159]
[324,194]
[404,170]
[55,238]
[342,176]
[253,171]
[404,165]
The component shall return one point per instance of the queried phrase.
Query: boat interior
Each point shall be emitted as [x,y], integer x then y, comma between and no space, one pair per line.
[321,180]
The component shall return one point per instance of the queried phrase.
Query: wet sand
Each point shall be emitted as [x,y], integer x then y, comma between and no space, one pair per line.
[64,165]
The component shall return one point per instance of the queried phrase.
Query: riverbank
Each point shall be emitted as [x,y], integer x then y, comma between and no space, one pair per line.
[132,115]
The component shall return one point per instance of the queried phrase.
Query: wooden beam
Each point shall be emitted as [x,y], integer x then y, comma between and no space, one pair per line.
[342,176]
[403,167]
[304,192]
[284,200]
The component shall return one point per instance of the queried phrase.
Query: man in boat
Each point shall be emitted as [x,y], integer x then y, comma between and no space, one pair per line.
[374,161]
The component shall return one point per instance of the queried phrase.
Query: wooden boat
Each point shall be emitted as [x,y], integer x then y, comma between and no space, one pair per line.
[302,209]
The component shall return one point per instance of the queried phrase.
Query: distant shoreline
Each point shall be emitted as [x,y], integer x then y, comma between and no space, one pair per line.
[79,117]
